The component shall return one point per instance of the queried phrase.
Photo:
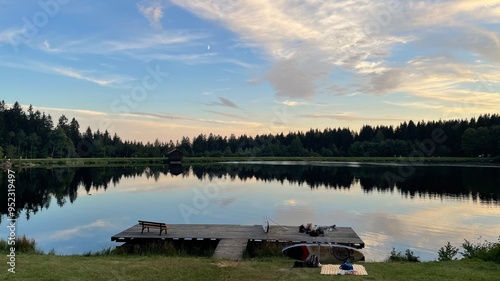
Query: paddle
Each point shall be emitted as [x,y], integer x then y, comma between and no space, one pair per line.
[278,224]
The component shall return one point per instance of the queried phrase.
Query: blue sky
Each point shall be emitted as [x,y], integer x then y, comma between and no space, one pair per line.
[165,69]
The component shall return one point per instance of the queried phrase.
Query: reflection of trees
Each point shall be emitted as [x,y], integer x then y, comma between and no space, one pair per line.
[479,183]
[425,181]
[35,188]
[313,176]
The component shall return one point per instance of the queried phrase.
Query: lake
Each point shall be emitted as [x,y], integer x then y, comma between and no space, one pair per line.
[417,207]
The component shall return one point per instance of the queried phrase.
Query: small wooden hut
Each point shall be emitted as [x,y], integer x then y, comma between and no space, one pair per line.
[175,157]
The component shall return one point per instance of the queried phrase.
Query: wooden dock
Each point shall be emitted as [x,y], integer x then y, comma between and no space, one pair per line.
[233,239]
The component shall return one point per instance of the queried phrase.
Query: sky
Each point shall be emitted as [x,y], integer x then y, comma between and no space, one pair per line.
[163,69]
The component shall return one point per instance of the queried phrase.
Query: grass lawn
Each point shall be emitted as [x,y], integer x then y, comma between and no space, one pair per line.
[52,267]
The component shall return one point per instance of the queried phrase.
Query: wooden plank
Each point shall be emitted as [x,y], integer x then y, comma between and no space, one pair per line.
[231,249]
[341,235]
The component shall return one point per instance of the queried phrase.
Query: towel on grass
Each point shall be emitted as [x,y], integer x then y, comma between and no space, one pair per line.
[333,269]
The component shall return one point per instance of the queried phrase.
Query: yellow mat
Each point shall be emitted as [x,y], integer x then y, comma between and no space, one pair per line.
[333,269]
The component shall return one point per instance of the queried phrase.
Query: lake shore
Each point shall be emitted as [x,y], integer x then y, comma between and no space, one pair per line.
[156,267]
[143,161]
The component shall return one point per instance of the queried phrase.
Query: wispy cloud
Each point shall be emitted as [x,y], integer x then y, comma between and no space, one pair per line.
[349,117]
[153,41]
[289,103]
[293,103]
[8,35]
[162,116]
[92,76]
[134,45]
[83,75]
[225,114]
[184,58]
[48,49]
[193,58]
[224,102]
[68,111]
[416,105]
[196,119]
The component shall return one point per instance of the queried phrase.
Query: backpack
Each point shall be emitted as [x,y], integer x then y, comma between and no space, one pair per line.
[302,229]
[346,266]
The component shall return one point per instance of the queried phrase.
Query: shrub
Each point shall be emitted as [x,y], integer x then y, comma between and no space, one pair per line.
[447,252]
[23,245]
[411,257]
[487,251]
[399,257]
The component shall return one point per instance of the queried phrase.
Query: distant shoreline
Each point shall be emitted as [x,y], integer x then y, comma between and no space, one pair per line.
[143,161]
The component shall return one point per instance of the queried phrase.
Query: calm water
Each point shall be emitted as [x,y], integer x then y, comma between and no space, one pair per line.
[403,207]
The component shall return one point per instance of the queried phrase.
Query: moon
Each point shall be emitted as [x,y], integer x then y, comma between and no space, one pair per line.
[208,47]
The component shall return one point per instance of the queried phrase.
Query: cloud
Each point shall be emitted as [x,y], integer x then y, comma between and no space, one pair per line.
[457,85]
[93,76]
[189,59]
[46,47]
[304,104]
[349,117]
[152,41]
[11,36]
[417,105]
[105,81]
[66,111]
[196,120]
[224,102]
[306,42]
[289,103]
[295,77]
[381,83]
[152,11]
[225,114]
[135,45]
[192,58]
[162,116]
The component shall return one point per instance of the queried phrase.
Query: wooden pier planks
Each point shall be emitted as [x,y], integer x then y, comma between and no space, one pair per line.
[230,248]
[341,235]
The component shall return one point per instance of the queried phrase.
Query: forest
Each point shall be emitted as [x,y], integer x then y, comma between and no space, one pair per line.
[34,134]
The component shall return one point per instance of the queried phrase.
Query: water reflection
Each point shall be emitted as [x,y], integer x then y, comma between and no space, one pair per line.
[423,210]
[36,187]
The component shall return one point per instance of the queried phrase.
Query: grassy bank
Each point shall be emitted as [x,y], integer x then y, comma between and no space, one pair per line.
[53,267]
[89,162]
[426,160]
[138,161]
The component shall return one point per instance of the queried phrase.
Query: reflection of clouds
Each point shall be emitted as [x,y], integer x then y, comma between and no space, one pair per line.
[294,212]
[291,202]
[425,230]
[225,202]
[80,230]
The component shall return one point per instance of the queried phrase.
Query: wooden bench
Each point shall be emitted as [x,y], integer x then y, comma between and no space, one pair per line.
[147,224]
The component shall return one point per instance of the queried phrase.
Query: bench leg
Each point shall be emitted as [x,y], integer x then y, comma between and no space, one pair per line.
[163,229]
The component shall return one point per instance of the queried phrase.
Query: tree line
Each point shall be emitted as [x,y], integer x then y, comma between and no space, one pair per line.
[33,134]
